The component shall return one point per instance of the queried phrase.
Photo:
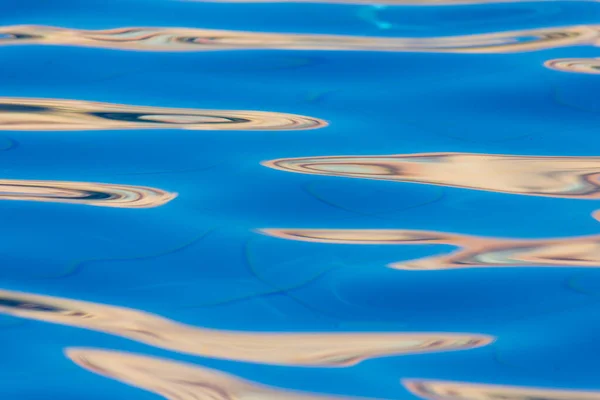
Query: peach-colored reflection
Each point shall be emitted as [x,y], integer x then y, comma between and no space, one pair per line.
[442,390]
[28,114]
[579,65]
[191,39]
[176,380]
[93,194]
[300,349]
[569,177]
[473,251]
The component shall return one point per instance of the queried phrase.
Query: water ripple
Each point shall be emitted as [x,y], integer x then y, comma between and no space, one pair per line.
[93,194]
[29,114]
[580,65]
[442,390]
[299,349]
[176,380]
[546,176]
[473,251]
[191,39]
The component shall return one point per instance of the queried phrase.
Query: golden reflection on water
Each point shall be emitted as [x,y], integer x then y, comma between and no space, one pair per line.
[580,65]
[93,194]
[176,380]
[298,349]
[442,390]
[30,114]
[567,177]
[192,39]
[473,251]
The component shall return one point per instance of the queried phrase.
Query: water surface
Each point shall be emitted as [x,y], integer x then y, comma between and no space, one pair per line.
[312,199]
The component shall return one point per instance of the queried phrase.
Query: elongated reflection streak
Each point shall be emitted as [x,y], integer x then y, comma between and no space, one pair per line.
[473,251]
[580,65]
[28,114]
[568,177]
[442,390]
[191,39]
[93,194]
[300,349]
[178,381]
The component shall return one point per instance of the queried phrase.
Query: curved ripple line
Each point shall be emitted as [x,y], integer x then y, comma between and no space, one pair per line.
[545,176]
[580,65]
[191,39]
[31,114]
[472,252]
[177,380]
[88,193]
[297,349]
[445,390]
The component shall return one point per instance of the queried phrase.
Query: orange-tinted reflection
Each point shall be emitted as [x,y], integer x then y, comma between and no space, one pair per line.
[27,114]
[94,194]
[178,381]
[580,65]
[299,349]
[473,251]
[441,390]
[569,177]
[191,39]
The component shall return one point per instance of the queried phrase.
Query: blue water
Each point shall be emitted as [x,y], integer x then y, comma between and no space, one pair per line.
[128,190]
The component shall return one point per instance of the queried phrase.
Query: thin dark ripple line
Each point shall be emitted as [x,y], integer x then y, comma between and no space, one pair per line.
[76,266]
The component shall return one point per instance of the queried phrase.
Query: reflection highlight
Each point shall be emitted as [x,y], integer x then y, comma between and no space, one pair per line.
[176,380]
[28,114]
[298,349]
[442,390]
[566,177]
[93,194]
[580,65]
[473,251]
[192,39]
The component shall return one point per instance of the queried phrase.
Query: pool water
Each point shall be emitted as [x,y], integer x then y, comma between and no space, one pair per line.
[312,199]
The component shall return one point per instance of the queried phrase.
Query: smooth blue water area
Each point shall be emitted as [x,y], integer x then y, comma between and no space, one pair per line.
[202,258]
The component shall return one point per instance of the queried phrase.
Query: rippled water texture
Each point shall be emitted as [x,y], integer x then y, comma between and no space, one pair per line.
[51,114]
[181,39]
[439,390]
[388,199]
[96,194]
[176,381]
[569,177]
[474,251]
[291,349]
[578,65]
